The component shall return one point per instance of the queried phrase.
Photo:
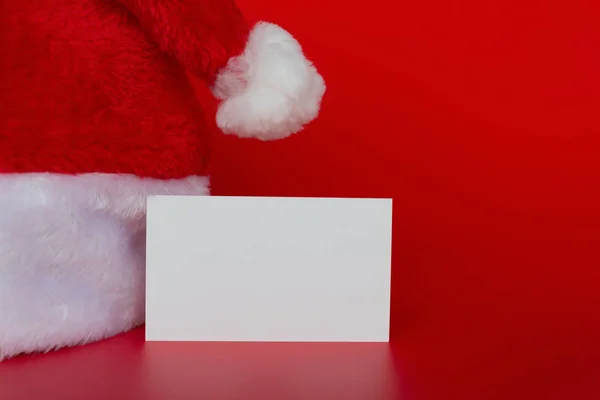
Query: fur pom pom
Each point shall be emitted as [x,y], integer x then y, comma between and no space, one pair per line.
[271,90]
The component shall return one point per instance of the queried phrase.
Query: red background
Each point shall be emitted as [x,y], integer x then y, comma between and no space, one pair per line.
[480,118]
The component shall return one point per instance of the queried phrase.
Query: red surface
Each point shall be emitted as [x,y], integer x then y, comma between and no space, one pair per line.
[481,119]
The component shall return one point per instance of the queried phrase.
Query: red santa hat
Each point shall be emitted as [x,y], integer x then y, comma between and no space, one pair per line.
[96,114]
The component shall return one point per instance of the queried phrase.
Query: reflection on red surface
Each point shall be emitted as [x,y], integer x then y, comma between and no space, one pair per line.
[127,368]
[459,361]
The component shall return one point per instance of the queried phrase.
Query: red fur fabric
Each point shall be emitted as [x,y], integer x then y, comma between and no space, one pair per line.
[100,85]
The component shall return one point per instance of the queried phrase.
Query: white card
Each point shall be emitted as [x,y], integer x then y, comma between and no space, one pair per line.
[268,269]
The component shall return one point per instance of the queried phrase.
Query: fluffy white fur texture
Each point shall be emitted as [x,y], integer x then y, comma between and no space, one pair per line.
[270,91]
[72,256]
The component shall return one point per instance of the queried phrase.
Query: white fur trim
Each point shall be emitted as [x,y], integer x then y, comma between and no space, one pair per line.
[271,91]
[72,256]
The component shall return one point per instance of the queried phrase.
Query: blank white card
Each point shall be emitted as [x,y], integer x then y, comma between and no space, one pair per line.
[268,269]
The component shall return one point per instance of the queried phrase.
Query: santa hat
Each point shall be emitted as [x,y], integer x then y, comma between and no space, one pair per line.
[96,114]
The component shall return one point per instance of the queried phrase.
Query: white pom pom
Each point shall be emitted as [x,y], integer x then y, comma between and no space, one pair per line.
[270,91]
